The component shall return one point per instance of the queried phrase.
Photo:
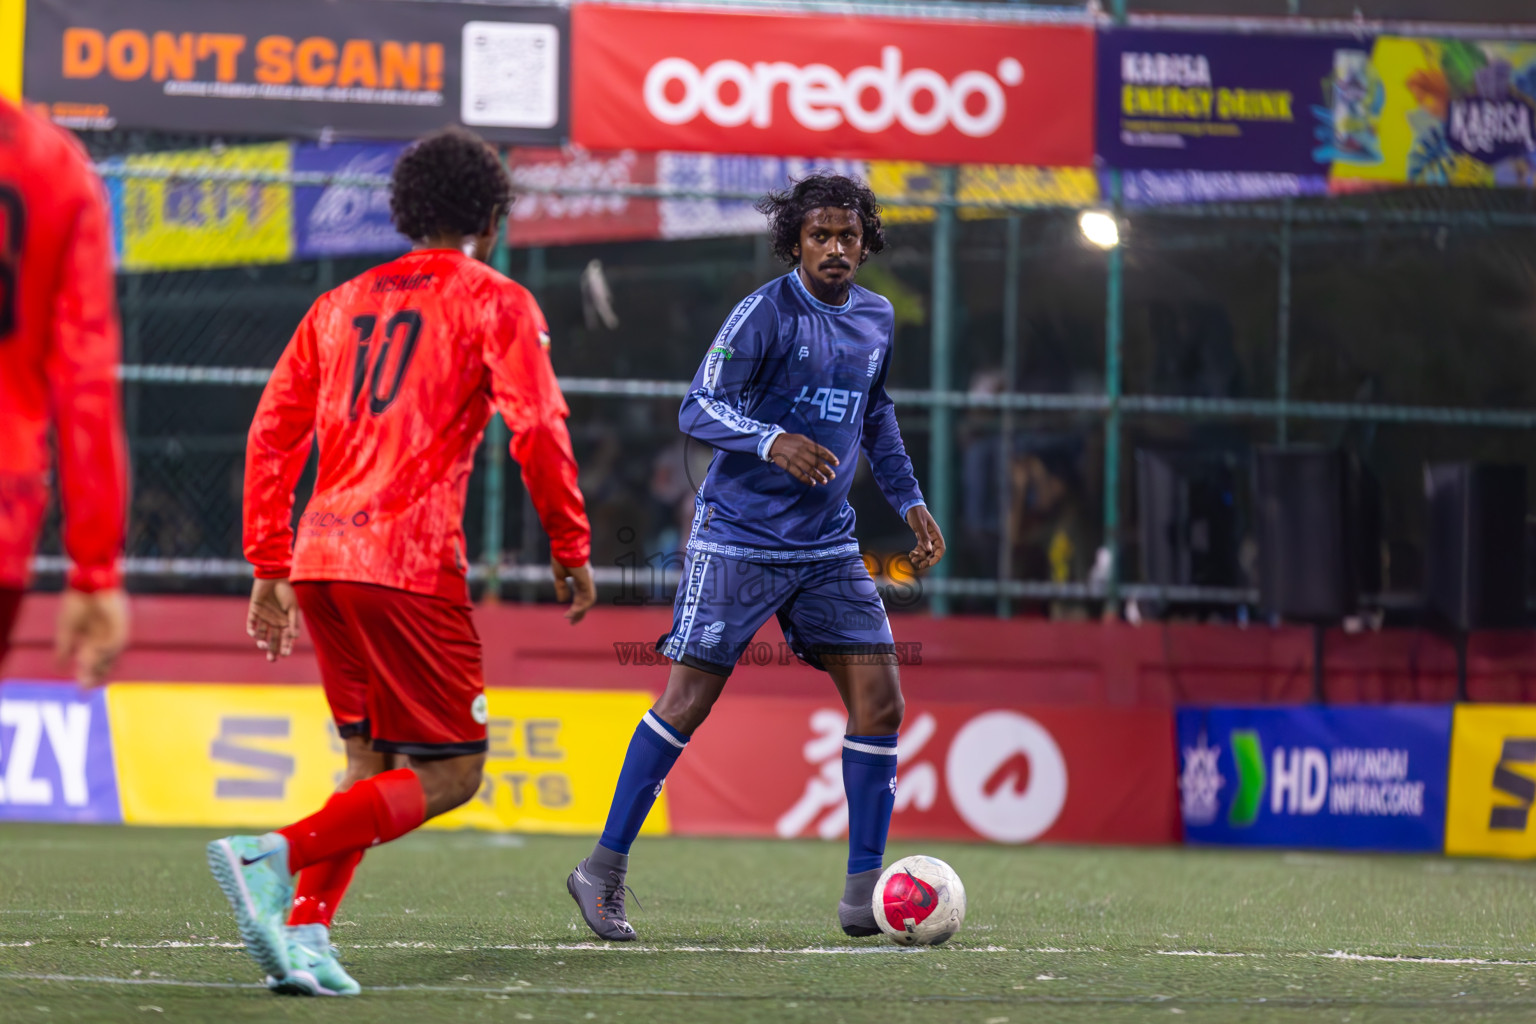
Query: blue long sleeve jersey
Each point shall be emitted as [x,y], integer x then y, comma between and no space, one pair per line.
[787,362]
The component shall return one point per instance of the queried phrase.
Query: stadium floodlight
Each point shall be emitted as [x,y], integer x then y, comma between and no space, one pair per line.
[1099,228]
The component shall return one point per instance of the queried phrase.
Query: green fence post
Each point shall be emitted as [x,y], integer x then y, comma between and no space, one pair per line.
[1114,338]
[495,468]
[941,418]
[1011,258]
[1283,329]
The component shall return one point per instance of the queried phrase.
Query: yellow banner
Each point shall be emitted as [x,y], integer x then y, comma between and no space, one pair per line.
[13,33]
[261,756]
[981,183]
[184,219]
[1493,781]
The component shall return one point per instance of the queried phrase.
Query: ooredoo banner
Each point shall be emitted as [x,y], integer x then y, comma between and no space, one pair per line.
[1348,777]
[770,766]
[294,67]
[861,88]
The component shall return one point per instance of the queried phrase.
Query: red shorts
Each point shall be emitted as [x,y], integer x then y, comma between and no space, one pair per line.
[401,668]
[10,605]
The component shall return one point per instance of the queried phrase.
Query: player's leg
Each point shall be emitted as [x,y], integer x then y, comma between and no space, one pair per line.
[426,701]
[837,621]
[720,606]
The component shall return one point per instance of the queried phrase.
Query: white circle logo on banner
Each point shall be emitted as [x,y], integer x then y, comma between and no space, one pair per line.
[1006,776]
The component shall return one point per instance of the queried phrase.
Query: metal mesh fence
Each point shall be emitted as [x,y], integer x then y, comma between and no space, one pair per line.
[1395,325]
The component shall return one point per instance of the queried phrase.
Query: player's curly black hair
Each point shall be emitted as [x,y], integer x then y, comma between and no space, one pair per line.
[449,182]
[786,210]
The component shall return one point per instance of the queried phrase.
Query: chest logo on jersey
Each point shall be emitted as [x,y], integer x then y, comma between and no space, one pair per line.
[874,364]
[835,404]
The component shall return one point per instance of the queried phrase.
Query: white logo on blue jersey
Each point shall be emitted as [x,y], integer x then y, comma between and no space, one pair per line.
[874,364]
[711,634]
[835,404]
[805,350]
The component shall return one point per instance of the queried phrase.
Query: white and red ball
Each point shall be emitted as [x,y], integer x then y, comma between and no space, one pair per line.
[919,901]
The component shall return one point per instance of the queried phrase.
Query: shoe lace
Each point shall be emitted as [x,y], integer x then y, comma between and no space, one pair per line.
[613,896]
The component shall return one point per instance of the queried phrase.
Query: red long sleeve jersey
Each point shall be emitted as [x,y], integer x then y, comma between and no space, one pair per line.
[59,352]
[394,374]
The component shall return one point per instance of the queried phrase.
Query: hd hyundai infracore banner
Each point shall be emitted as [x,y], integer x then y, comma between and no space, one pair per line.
[297,67]
[815,85]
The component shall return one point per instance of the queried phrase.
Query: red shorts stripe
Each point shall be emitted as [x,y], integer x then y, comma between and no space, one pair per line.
[400,667]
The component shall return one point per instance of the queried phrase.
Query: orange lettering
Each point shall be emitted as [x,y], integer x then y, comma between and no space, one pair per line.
[173,57]
[274,60]
[358,66]
[315,61]
[128,55]
[402,66]
[434,65]
[84,49]
[226,48]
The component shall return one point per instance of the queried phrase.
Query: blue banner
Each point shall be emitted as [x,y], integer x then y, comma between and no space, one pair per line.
[1369,778]
[56,754]
[342,219]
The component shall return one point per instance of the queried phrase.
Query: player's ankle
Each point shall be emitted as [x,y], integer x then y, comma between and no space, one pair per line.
[604,859]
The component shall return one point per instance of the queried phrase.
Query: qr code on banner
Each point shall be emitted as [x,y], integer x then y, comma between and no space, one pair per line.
[511,75]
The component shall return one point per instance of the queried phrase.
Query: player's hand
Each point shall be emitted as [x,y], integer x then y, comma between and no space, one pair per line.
[805,460]
[581,592]
[930,542]
[273,621]
[92,631]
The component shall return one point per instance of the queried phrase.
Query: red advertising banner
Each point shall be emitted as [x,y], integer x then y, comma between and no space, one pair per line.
[543,218]
[866,88]
[770,766]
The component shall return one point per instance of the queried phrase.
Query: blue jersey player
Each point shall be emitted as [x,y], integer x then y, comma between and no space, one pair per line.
[790,390]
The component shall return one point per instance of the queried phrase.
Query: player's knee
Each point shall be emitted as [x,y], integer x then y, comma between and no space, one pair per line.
[450,782]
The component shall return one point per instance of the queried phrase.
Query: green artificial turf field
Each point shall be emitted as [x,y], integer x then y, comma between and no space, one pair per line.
[125,924]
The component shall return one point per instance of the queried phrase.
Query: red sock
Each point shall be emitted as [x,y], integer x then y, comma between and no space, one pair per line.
[321,887]
[373,811]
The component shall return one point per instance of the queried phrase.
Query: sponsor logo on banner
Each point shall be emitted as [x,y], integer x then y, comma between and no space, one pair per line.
[55,755]
[967,771]
[546,218]
[345,218]
[257,756]
[1369,777]
[1492,781]
[752,175]
[897,89]
[1179,101]
[1445,112]
[345,67]
[995,184]
[185,215]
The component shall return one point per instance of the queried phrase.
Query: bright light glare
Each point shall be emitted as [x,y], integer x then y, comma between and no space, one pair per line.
[1099,228]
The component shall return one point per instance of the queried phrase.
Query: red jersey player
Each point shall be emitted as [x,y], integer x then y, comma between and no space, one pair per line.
[59,352]
[396,373]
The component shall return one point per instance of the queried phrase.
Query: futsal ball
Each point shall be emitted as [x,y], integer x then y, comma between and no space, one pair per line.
[919,901]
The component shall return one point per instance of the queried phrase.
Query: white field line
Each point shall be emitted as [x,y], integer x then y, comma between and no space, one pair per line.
[594,947]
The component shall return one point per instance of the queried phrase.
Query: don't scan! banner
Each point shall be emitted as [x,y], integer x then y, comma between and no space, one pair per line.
[294,67]
[1354,778]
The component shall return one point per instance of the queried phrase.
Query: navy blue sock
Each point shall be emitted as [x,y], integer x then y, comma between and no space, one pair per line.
[652,753]
[869,779]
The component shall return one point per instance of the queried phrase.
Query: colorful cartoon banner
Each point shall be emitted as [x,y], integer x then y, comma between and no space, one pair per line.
[769,766]
[1183,101]
[178,212]
[294,67]
[1492,782]
[980,183]
[344,219]
[55,754]
[1357,777]
[1449,112]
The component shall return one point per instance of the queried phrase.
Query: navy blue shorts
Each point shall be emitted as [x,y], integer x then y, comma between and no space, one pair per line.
[829,606]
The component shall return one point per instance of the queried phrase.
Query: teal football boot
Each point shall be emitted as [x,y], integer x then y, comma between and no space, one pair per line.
[253,872]
[313,969]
